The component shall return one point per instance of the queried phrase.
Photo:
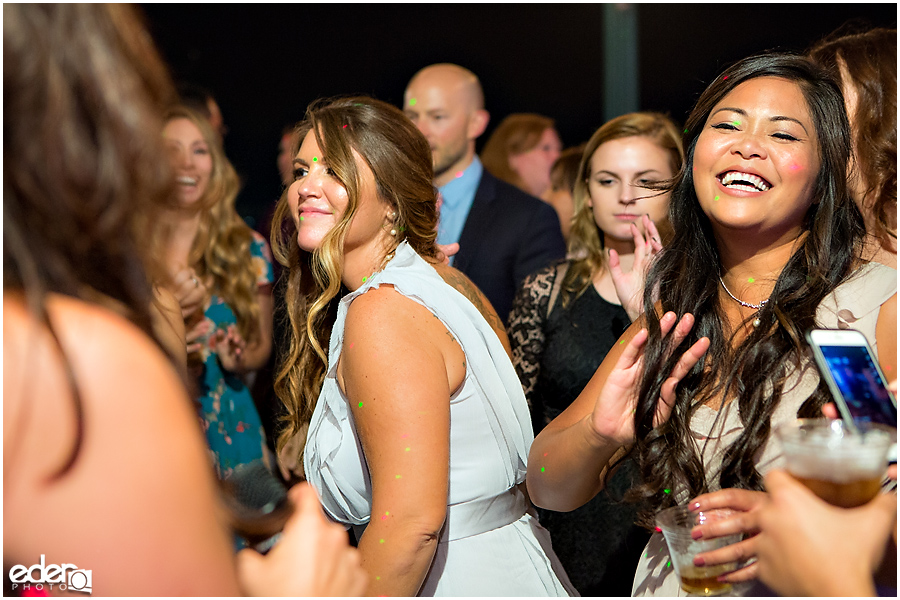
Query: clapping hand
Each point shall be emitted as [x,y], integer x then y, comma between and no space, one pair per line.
[630,286]
[190,291]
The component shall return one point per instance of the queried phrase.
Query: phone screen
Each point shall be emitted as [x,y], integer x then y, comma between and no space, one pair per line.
[855,374]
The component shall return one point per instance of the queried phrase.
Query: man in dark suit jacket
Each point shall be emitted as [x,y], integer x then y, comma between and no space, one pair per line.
[504,234]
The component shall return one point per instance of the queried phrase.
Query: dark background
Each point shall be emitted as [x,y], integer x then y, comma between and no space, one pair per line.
[265,63]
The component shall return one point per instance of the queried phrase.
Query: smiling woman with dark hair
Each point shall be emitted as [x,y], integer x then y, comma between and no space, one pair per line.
[765,246]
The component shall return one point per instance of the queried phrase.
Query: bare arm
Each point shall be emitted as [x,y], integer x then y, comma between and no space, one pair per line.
[569,456]
[394,369]
[886,336]
[168,325]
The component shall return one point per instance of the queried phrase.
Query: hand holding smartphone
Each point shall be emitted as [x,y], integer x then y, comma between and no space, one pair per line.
[850,369]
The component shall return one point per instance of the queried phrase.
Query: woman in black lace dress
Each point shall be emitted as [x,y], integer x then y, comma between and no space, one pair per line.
[566,317]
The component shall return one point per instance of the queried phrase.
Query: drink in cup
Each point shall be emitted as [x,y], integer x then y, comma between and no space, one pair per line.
[676,524]
[842,466]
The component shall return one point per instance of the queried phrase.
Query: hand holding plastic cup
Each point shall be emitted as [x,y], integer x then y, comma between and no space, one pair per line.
[842,464]
[676,524]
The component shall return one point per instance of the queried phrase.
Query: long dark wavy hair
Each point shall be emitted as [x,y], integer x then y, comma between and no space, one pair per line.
[687,277]
[400,160]
[84,168]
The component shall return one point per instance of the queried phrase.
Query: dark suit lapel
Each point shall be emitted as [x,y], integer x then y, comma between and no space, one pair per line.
[477,222]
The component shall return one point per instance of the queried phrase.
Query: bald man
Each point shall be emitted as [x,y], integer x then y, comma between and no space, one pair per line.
[503,233]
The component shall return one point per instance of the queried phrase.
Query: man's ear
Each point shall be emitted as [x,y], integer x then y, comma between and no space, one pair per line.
[478,122]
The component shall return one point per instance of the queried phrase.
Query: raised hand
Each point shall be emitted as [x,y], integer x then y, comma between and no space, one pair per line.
[613,416]
[630,286]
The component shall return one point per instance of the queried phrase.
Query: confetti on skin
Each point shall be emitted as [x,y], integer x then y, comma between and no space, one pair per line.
[621,342]
[377,578]
[407,450]
[385,515]
[751,280]
[543,469]
[381,541]
[364,279]
[398,476]
[716,199]
[888,368]
[412,101]
[301,218]
[405,435]
[360,404]
[315,159]
[350,347]
[736,123]
[545,454]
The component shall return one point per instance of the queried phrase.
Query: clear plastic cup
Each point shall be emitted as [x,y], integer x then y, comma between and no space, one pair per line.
[676,524]
[842,464]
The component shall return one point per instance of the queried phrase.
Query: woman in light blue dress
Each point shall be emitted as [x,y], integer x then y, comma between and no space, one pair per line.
[420,435]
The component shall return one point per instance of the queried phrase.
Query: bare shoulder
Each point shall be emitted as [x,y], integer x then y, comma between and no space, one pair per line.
[140,442]
[458,281]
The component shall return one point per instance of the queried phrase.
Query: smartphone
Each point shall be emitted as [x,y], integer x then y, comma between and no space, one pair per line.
[846,362]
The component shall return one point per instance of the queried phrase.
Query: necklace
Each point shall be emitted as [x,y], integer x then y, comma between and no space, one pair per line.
[742,303]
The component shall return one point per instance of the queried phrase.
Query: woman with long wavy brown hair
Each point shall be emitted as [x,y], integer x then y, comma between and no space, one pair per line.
[210,246]
[419,434]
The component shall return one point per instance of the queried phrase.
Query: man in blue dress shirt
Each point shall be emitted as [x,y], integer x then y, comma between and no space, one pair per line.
[503,233]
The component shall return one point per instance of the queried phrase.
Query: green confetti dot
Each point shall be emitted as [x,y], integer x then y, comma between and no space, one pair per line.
[736,123]
[669,564]
[398,477]
[315,159]
[543,469]
[750,280]
[667,491]
[412,101]
[377,578]
[621,342]
[685,130]
[381,541]
[716,199]
[364,279]
[407,450]
[387,513]
[360,404]
[301,218]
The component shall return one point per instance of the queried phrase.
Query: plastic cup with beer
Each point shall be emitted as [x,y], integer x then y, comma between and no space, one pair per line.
[842,464]
[676,524]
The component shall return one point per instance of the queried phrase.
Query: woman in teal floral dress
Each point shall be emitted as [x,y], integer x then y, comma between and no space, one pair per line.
[221,272]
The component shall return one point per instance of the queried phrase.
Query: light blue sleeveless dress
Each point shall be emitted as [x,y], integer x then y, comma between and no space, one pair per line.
[491,543]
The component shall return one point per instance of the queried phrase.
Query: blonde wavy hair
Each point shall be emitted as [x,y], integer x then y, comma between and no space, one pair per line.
[585,238]
[221,248]
[400,160]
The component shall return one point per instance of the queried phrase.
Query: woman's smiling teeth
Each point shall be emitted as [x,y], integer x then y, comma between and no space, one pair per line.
[187,181]
[736,180]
